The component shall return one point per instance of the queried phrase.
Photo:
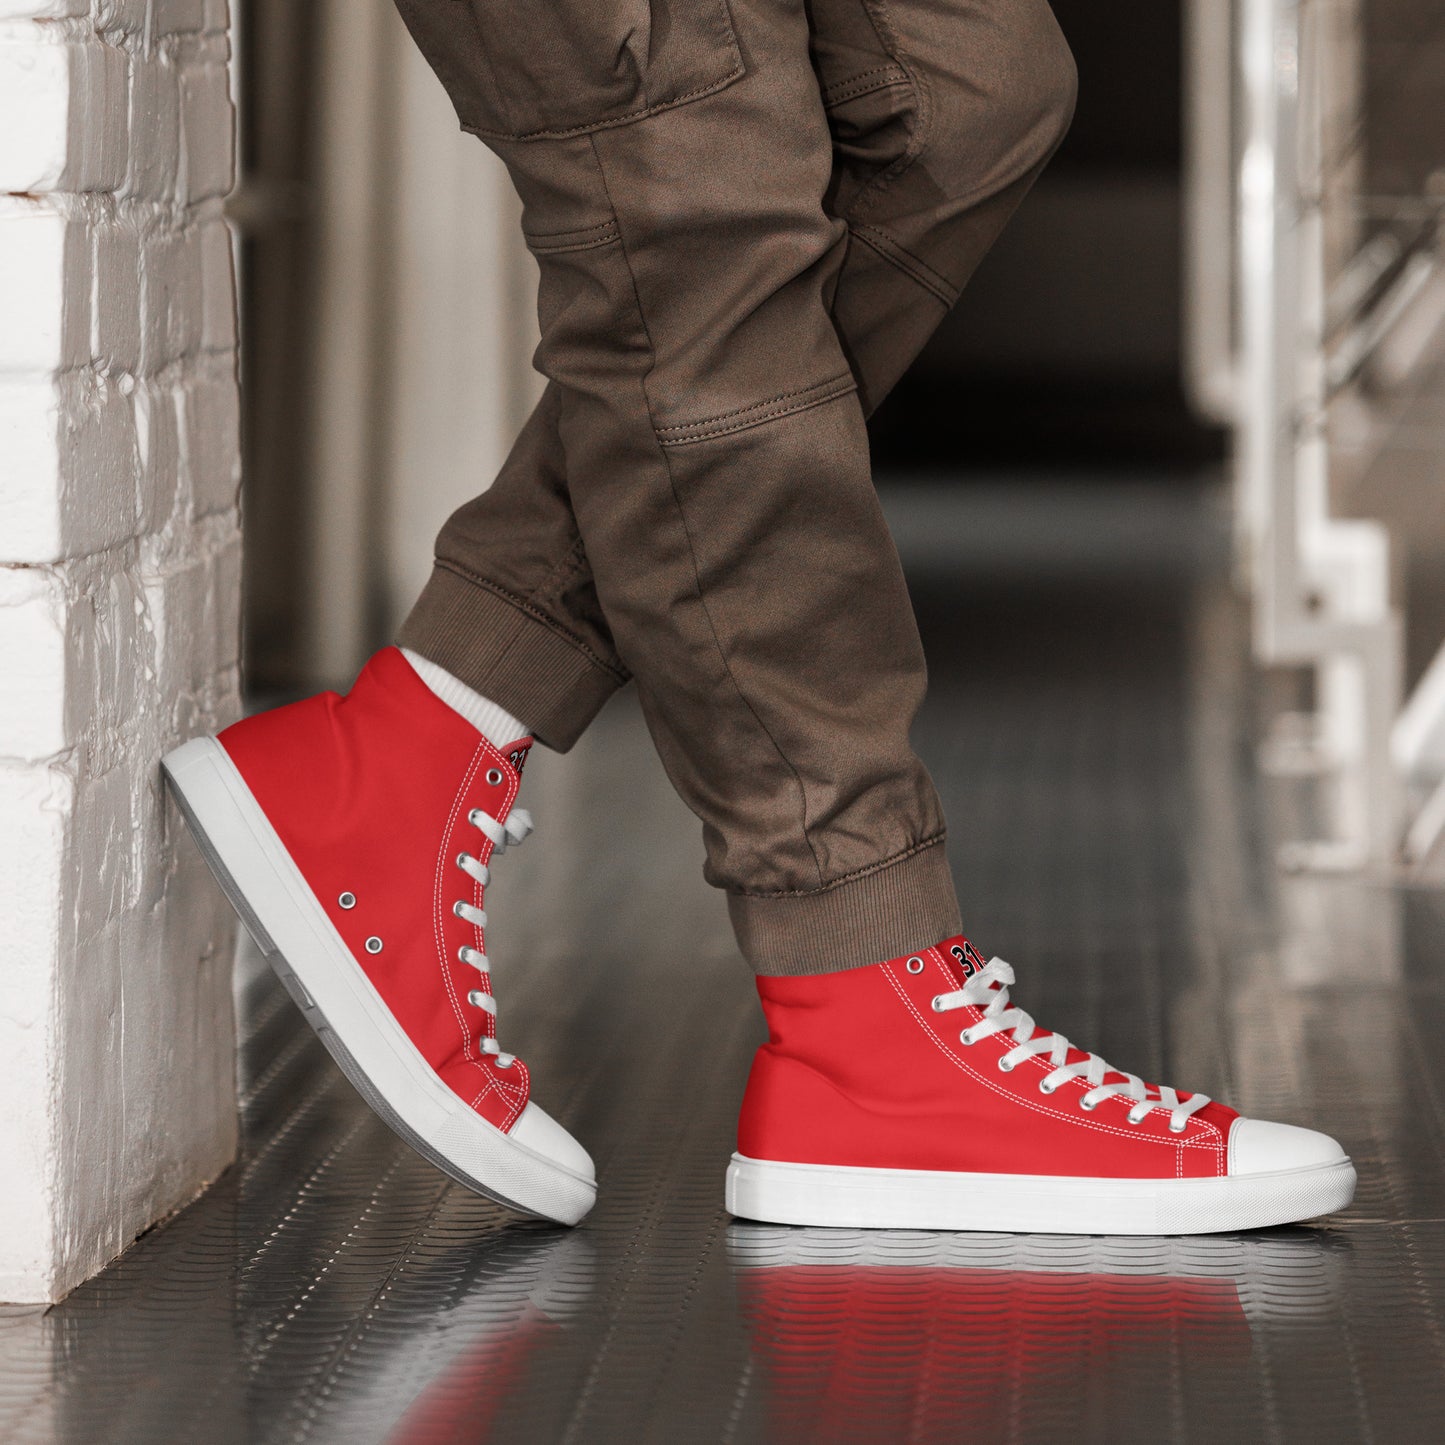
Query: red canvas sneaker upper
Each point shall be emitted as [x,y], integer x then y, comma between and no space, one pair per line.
[391,805]
[924,1062]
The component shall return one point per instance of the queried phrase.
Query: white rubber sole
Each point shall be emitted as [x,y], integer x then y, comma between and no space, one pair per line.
[823,1194]
[291,928]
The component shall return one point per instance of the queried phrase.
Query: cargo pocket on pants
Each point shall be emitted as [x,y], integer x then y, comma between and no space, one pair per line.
[538,69]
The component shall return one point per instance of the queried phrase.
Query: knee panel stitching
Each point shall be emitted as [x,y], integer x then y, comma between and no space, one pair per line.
[759,412]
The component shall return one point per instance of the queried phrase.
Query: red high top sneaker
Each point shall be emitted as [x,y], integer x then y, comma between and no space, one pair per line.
[353,835]
[912,1094]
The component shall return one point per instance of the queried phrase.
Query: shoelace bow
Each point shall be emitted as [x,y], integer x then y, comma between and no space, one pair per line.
[500,834]
[988,990]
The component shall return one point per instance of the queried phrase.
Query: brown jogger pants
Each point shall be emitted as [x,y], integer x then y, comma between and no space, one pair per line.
[749,215]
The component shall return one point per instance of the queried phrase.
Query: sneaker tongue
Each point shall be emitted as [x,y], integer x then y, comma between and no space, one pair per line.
[516,753]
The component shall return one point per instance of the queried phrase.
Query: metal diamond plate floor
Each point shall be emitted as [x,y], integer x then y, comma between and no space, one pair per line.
[1090,725]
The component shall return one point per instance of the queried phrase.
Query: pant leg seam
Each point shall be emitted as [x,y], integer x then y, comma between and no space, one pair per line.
[567,566]
[932,841]
[882,244]
[686,530]
[522,604]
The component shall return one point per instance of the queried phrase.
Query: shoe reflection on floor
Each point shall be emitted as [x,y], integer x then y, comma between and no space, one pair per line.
[894,1336]
[496,1309]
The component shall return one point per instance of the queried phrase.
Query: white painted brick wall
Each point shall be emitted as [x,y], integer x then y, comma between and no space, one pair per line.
[119,589]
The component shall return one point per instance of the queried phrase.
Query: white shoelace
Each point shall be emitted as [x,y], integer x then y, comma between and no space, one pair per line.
[513,831]
[988,990]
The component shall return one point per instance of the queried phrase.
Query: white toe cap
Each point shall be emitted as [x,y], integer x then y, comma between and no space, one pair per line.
[1258,1147]
[538,1131]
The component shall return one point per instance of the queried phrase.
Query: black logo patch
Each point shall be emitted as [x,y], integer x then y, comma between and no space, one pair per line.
[968,958]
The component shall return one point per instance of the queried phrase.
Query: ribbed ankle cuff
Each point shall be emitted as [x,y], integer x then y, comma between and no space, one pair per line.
[517,657]
[896,908]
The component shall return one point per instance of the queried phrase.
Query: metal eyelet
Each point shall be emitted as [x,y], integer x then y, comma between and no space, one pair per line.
[1046,1088]
[457,909]
[1179,1130]
[463,859]
[347,900]
[965,1038]
[494,777]
[507,1065]
[937,1004]
[475,998]
[1004,1067]
[914,965]
[1086,1106]
[1130,1119]
[373,944]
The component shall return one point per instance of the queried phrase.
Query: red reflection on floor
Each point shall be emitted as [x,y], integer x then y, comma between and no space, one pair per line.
[464,1400]
[883,1353]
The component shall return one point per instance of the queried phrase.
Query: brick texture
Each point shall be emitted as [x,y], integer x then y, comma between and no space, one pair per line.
[119,591]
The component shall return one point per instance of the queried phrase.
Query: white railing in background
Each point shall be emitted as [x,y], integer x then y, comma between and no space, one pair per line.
[1300,318]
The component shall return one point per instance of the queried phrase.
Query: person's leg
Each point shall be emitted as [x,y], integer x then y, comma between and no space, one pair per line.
[913,1092]
[931,174]
[942,113]
[717,467]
